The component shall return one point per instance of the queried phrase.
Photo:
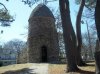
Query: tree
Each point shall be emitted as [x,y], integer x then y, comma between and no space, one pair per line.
[97,57]
[97,22]
[88,3]
[16,45]
[97,18]
[89,42]
[32,2]
[78,33]
[69,36]
[5,17]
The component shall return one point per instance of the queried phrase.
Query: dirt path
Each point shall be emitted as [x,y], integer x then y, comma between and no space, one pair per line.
[39,69]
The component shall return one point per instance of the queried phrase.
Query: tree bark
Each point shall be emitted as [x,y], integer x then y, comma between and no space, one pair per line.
[97,18]
[97,61]
[78,33]
[97,22]
[97,57]
[69,36]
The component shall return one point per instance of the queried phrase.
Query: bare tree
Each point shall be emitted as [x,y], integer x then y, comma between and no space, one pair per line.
[16,45]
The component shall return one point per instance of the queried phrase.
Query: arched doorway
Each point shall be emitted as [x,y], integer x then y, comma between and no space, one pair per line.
[44,54]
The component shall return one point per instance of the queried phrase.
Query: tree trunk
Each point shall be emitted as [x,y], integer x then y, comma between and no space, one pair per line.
[97,22]
[97,18]
[97,57]
[78,32]
[89,41]
[68,34]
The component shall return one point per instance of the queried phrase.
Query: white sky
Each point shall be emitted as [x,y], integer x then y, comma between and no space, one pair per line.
[22,13]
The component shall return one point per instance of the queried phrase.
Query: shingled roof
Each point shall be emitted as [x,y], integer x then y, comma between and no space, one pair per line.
[41,11]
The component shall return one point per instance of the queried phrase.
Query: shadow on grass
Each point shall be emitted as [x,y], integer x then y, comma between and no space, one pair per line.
[90,64]
[81,72]
[85,72]
[90,61]
[87,64]
[22,71]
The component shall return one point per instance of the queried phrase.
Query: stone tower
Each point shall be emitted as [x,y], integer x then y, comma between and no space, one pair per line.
[42,36]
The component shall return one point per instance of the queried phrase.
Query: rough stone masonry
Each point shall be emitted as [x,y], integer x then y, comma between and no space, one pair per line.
[43,46]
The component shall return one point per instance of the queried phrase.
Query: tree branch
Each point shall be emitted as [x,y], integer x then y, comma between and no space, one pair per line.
[4,6]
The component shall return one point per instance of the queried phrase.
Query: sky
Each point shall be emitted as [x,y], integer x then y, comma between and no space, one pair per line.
[21,13]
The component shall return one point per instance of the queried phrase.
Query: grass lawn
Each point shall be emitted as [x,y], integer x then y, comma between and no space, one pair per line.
[52,68]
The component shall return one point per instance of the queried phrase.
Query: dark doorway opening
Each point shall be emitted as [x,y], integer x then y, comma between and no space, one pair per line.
[44,54]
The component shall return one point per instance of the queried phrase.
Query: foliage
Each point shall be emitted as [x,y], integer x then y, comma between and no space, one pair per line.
[89,9]
[88,3]
[32,2]
[5,17]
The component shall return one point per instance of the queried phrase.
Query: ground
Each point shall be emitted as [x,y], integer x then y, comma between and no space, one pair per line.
[33,68]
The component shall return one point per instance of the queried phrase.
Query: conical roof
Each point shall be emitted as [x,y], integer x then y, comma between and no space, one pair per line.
[41,11]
